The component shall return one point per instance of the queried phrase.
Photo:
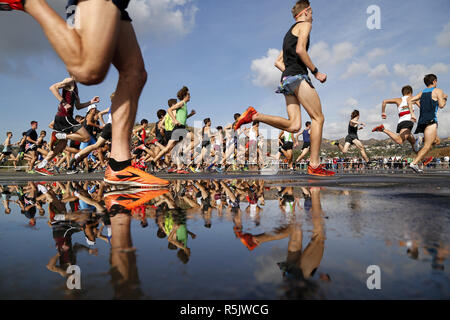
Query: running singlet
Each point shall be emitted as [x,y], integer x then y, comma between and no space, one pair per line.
[168,123]
[428,107]
[182,115]
[352,131]
[288,137]
[294,65]
[252,135]
[403,110]
[69,97]
[306,136]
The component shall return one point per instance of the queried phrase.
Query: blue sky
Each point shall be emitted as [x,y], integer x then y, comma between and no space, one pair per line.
[224,52]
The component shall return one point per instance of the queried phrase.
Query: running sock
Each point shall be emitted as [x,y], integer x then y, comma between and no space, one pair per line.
[42,164]
[42,189]
[118,165]
[77,156]
[61,136]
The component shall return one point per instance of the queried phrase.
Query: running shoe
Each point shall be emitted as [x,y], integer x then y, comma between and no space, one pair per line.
[9,5]
[418,144]
[427,161]
[334,143]
[43,171]
[133,177]
[246,239]
[154,141]
[246,117]
[320,171]
[415,168]
[219,170]
[131,198]
[378,129]
[192,169]
[31,171]
[72,171]
[172,170]
[182,172]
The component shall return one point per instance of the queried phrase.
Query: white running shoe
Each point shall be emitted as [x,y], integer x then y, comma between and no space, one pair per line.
[415,168]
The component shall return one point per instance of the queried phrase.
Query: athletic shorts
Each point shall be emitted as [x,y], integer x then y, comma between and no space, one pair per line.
[66,124]
[30,147]
[178,134]
[405,125]
[167,137]
[350,138]
[74,144]
[107,132]
[7,153]
[306,145]
[205,144]
[288,146]
[290,84]
[84,145]
[120,4]
[422,126]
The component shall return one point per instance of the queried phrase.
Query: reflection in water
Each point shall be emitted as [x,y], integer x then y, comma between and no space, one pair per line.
[103,213]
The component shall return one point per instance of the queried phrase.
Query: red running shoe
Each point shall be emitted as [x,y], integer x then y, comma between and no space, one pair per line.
[246,117]
[182,172]
[9,5]
[172,170]
[378,129]
[320,171]
[43,171]
[246,239]
[131,176]
[132,198]
[427,161]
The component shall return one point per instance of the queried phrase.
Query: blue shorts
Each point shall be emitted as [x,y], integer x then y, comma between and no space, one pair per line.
[290,84]
[84,145]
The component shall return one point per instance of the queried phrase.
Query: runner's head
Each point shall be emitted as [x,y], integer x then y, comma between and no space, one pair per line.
[407,91]
[24,134]
[430,80]
[9,134]
[236,116]
[302,11]
[43,133]
[308,124]
[144,122]
[183,93]
[171,102]
[34,125]
[207,122]
[355,114]
[161,113]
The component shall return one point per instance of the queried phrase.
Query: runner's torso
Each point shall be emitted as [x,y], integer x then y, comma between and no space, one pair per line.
[403,110]
[69,97]
[306,136]
[294,65]
[428,106]
[352,130]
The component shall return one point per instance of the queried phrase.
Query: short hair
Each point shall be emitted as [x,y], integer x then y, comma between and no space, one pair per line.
[144,121]
[219,128]
[407,90]
[236,116]
[299,7]
[182,93]
[205,121]
[33,122]
[44,132]
[8,133]
[429,79]
[308,123]
[355,113]
[161,113]
[171,102]
[24,134]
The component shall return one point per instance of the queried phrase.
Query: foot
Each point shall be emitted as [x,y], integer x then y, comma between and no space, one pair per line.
[131,198]
[182,172]
[172,170]
[246,117]
[378,129]
[320,171]
[415,168]
[133,177]
[335,143]
[418,144]
[43,171]
[427,161]
[9,5]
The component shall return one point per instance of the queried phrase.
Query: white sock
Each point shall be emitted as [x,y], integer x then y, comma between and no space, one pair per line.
[77,156]
[42,189]
[42,164]
[61,136]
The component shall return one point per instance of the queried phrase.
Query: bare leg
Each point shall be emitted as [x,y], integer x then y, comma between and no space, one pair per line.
[304,153]
[430,135]
[293,124]
[361,148]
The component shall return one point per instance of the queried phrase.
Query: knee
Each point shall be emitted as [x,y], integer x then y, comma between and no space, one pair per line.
[137,75]
[89,76]
[86,139]
[318,118]
[294,127]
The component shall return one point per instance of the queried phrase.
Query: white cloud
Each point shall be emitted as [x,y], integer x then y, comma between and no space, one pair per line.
[351,102]
[416,72]
[163,17]
[379,71]
[265,74]
[443,38]
[356,68]
[375,53]
[322,55]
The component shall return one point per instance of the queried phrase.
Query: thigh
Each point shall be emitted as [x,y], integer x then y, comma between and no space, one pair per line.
[358,144]
[127,55]
[430,134]
[309,99]
[346,146]
[405,134]
[293,108]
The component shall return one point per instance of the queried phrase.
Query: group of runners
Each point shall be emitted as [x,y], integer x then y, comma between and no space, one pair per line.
[104,35]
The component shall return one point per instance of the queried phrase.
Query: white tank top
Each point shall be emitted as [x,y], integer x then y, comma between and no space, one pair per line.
[252,135]
[403,111]
[288,137]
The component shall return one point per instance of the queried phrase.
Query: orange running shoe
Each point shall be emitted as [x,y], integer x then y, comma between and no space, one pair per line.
[320,171]
[134,177]
[9,5]
[132,198]
[427,161]
[245,118]
[246,239]
[378,129]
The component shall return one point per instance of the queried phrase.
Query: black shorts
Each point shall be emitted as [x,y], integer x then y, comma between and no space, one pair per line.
[7,153]
[66,124]
[107,132]
[74,144]
[288,146]
[205,144]
[30,148]
[178,135]
[306,145]
[120,4]
[405,125]
[422,126]
[350,138]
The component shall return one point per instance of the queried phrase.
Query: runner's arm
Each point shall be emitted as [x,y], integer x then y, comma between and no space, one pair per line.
[80,105]
[54,88]
[302,52]
[442,98]
[386,102]
[279,63]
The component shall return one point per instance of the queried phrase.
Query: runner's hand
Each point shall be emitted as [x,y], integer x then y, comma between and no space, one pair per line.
[383,116]
[322,77]
[95,100]
[193,112]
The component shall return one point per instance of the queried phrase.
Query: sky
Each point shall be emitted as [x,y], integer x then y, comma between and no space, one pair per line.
[224,51]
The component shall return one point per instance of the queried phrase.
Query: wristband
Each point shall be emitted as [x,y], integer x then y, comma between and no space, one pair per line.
[315,71]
